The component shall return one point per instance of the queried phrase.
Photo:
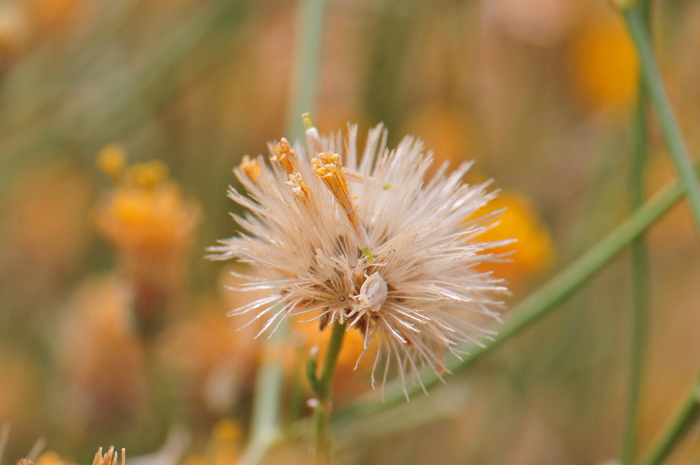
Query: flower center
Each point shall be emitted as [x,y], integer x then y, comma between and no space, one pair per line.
[373,292]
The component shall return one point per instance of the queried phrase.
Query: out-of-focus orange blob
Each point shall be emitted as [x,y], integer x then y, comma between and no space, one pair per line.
[534,249]
[542,22]
[99,351]
[603,64]
[445,131]
[112,160]
[45,230]
[226,436]
[224,445]
[52,458]
[52,13]
[207,359]
[18,389]
[14,28]
[146,213]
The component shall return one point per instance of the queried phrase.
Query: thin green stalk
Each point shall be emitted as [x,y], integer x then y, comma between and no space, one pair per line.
[329,362]
[305,72]
[266,403]
[640,294]
[658,98]
[540,302]
[640,272]
[677,428]
[322,387]
[268,391]
[297,396]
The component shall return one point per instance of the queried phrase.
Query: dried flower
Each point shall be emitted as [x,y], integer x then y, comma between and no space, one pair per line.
[368,244]
[50,458]
[110,458]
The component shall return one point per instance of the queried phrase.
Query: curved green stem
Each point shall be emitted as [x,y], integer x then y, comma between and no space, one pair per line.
[679,425]
[322,387]
[542,301]
[651,79]
[640,272]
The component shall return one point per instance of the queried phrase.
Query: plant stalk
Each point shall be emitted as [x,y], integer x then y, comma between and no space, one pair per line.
[677,428]
[640,272]
[323,388]
[265,429]
[651,79]
[306,65]
[640,294]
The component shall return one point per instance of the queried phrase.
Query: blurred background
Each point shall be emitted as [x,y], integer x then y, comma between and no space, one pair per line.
[120,121]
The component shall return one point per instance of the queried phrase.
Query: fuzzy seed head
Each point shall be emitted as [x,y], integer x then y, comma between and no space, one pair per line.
[364,240]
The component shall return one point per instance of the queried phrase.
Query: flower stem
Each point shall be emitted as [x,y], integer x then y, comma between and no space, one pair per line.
[268,390]
[651,79]
[322,387]
[306,64]
[681,423]
[542,301]
[640,267]
[640,294]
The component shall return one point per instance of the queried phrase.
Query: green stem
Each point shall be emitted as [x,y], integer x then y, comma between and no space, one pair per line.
[323,388]
[640,272]
[640,295]
[298,394]
[266,403]
[651,79]
[305,72]
[540,302]
[681,423]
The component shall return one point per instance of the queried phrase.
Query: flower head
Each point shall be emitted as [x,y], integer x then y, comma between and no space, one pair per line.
[110,458]
[366,242]
[147,220]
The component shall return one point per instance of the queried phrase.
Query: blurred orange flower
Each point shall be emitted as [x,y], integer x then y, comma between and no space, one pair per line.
[208,361]
[534,249]
[148,222]
[52,458]
[45,233]
[603,64]
[14,28]
[224,446]
[445,131]
[52,13]
[99,352]
[145,215]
